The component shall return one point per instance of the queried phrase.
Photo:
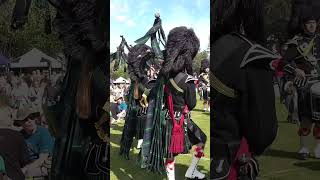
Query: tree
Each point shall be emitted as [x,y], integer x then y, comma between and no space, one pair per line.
[119,73]
[197,61]
[277,16]
[16,43]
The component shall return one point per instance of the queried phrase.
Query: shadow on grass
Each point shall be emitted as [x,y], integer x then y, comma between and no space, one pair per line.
[117,127]
[129,169]
[281,154]
[202,112]
[115,138]
[286,122]
[313,165]
[199,110]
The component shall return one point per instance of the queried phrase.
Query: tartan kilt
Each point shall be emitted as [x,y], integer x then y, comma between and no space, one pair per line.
[97,162]
[141,118]
[304,102]
[193,134]
[140,126]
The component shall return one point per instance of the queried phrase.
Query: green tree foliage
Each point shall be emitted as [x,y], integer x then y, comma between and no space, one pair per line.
[196,65]
[277,15]
[119,73]
[16,43]
[197,61]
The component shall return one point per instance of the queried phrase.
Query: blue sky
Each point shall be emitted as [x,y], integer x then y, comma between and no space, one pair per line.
[133,18]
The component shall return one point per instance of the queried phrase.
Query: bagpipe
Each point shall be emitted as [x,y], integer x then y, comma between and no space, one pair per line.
[120,57]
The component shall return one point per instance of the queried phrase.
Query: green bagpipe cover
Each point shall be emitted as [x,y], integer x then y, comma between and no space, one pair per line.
[152,155]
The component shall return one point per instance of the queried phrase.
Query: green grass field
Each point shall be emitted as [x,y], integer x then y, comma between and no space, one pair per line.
[128,169]
[280,161]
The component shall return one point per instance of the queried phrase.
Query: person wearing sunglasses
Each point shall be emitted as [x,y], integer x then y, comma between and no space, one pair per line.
[39,142]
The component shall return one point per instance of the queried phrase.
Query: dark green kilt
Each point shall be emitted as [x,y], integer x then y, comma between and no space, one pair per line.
[97,165]
[140,123]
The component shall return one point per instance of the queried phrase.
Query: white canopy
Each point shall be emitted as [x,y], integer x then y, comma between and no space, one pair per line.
[35,58]
[121,80]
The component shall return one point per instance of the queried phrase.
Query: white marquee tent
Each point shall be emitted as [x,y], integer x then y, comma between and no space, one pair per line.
[35,59]
[121,80]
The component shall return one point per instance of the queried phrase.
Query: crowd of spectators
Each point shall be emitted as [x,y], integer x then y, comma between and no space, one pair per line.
[118,105]
[26,143]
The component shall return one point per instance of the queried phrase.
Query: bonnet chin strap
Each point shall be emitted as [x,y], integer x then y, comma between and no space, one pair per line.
[177,136]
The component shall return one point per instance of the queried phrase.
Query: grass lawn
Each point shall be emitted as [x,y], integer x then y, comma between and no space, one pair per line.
[127,169]
[280,161]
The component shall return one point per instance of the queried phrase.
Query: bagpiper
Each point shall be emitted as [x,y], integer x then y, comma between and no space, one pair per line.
[304,53]
[204,82]
[143,69]
[170,129]
[244,120]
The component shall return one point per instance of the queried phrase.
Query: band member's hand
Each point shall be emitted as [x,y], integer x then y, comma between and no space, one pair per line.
[288,87]
[143,101]
[300,74]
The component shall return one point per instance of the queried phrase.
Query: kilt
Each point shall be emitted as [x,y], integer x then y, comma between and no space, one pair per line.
[304,102]
[97,165]
[205,94]
[193,134]
[140,123]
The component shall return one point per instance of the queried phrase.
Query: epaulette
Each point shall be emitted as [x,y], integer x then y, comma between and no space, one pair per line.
[257,53]
[177,80]
[190,78]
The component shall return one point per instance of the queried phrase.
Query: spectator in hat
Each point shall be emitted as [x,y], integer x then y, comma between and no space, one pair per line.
[38,139]
[122,106]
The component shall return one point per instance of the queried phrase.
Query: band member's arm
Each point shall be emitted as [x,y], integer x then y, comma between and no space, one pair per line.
[201,79]
[259,123]
[143,88]
[37,163]
[288,60]
[274,62]
[190,95]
